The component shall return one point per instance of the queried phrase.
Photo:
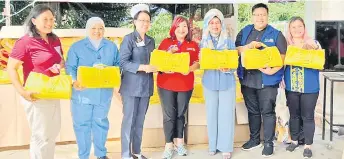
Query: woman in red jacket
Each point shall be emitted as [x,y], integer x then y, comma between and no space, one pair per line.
[175,89]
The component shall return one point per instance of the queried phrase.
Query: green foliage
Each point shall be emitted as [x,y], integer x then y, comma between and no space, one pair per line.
[277,12]
[244,15]
[284,11]
[75,15]
[20,18]
[161,27]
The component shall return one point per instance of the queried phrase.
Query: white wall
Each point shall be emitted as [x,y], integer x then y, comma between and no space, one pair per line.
[323,10]
[316,10]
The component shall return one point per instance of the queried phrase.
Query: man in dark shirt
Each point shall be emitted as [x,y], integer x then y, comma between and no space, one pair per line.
[259,87]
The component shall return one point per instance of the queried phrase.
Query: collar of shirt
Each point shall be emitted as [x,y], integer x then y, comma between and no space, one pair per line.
[90,45]
[254,29]
[215,40]
[138,38]
[179,44]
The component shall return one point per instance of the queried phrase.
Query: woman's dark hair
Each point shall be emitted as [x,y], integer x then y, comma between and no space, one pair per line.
[137,16]
[260,5]
[34,13]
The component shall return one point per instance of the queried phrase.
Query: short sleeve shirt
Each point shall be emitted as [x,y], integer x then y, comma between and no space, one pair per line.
[37,55]
[176,81]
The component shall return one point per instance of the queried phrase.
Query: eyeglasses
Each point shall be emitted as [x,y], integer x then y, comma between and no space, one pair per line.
[144,21]
[260,15]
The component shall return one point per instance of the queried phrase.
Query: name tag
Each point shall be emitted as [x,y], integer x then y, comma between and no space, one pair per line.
[58,50]
[140,44]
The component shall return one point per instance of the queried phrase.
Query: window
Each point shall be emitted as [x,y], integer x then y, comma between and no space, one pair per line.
[330,34]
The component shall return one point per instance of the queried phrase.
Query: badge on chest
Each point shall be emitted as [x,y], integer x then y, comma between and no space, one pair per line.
[139,42]
[58,50]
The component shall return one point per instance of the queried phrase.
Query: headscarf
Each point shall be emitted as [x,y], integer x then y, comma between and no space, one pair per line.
[90,23]
[222,39]
[290,41]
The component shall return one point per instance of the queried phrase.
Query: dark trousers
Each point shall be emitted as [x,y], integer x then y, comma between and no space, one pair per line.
[260,104]
[134,113]
[301,107]
[174,106]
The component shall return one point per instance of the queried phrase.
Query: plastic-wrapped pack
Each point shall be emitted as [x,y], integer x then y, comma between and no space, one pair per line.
[99,77]
[267,57]
[216,59]
[314,59]
[45,87]
[174,62]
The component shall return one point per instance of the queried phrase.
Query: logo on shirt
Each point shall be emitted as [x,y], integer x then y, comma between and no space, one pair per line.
[190,49]
[268,40]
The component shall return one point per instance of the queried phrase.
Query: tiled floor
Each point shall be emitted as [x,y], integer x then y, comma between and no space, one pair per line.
[320,151]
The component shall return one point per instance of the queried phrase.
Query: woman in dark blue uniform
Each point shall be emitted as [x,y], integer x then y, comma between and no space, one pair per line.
[137,81]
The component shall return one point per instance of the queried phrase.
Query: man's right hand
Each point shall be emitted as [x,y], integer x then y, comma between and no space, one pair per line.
[255,45]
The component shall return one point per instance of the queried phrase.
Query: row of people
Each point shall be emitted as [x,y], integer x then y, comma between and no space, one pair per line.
[40,51]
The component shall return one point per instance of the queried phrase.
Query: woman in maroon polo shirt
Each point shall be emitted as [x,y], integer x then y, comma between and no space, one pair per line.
[38,51]
[175,89]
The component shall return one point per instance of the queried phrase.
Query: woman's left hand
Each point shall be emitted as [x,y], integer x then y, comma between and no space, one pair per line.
[173,49]
[55,68]
[62,64]
[192,68]
[224,70]
[311,45]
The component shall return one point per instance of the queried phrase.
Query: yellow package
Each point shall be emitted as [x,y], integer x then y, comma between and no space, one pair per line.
[57,87]
[239,96]
[255,58]
[95,77]
[165,61]
[116,40]
[7,44]
[154,99]
[4,78]
[197,93]
[4,55]
[66,43]
[314,59]
[216,59]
